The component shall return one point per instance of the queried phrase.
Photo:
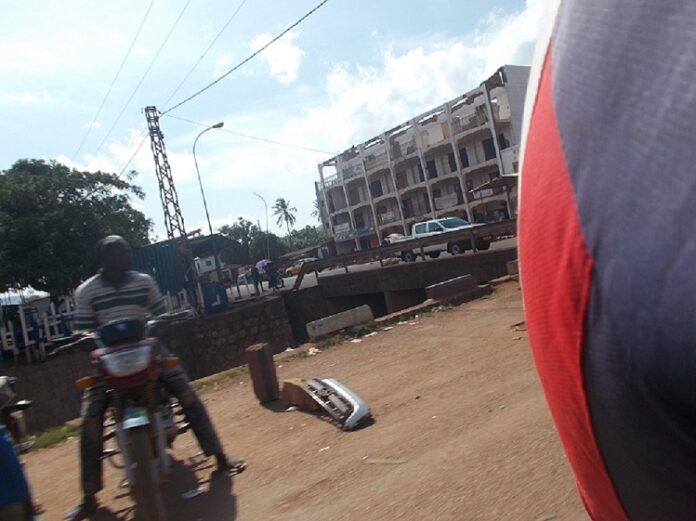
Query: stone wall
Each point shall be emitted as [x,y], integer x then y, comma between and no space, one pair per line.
[206,345]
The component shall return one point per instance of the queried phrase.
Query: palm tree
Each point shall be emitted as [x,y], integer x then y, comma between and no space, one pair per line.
[284,212]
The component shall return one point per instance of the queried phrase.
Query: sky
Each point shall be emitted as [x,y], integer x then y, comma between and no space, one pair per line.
[347,73]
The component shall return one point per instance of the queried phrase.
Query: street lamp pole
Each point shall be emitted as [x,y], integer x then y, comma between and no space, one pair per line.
[268,249]
[205,204]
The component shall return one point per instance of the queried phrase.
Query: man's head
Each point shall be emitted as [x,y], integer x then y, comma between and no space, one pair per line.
[114,254]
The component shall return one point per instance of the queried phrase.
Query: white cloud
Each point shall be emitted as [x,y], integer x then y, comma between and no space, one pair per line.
[25,98]
[221,65]
[282,57]
[364,101]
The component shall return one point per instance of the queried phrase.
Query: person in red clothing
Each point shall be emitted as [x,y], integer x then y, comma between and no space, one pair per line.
[607,249]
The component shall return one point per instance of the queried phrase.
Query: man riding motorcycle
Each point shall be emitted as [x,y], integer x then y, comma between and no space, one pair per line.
[118,292]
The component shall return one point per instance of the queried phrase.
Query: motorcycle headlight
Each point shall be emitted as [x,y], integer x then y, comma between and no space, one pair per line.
[126,362]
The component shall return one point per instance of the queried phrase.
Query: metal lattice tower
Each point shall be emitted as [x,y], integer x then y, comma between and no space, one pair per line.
[173,220]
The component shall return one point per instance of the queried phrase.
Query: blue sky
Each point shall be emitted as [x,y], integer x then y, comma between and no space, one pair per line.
[350,71]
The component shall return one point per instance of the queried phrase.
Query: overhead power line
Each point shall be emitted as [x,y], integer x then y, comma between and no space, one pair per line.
[142,79]
[248,58]
[132,157]
[210,46]
[248,136]
[113,82]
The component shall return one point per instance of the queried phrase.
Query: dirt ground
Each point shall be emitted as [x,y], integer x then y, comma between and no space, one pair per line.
[461,432]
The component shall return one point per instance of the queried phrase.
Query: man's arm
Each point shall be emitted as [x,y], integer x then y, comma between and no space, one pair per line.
[85,319]
[155,302]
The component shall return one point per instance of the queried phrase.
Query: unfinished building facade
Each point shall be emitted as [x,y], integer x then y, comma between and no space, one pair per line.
[450,161]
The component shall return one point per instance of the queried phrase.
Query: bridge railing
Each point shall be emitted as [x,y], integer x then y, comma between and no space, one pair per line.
[501,228]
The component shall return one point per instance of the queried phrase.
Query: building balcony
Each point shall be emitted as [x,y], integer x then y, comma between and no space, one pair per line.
[387,218]
[377,161]
[411,187]
[353,170]
[446,176]
[402,151]
[510,159]
[360,204]
[336,209]
[385,195]
[448,201]
[461,125]
[332,181]
[486,194]
[344,232]
[484,165]
[419,211]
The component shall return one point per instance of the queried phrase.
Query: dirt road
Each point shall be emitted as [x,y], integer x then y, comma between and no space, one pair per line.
[461,432]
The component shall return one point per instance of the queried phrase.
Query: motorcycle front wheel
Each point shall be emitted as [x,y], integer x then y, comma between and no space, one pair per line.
[149,505]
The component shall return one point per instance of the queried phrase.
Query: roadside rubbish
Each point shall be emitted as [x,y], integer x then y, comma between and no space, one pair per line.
[324,448]
[388,328]
[374,333]
[190,494]
[313,351]
[356,341]
[344,407]
[386,461]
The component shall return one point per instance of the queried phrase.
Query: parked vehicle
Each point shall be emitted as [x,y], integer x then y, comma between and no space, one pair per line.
[12,414]
[293,270]
[441,226]
[129,362]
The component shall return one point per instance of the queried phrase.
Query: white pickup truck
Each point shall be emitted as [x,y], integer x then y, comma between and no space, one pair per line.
[436,227]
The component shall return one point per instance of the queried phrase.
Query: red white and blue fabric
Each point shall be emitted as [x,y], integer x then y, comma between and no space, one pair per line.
[608,250]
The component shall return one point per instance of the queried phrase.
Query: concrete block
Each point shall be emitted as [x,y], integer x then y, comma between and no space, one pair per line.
[294,391]
[450,288]
[332,323]
[263,372]
[512,267]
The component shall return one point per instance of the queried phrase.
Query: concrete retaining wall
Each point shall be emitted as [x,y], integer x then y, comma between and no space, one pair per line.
[333,323]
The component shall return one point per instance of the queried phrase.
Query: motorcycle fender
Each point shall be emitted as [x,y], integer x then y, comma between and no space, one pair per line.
[135,417]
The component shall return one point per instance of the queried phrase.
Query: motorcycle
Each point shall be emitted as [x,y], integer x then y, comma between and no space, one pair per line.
[12,414]
[129,361]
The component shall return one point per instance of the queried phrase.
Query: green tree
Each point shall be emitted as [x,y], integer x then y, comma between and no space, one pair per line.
[241,231]
[306,237]
[276,245]
[285,213]
[51,217]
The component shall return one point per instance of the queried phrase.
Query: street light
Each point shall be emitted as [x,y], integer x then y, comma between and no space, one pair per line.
[205,204]
[268,249]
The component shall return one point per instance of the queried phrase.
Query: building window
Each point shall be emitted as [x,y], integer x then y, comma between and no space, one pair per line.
[436,193]
[488,149]
[432,169]
[376,188]
[503,142]
[208,262]
[421,176]
[452,162]
[463,157]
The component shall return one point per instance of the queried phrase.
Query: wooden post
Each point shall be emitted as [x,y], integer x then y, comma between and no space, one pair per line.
[263,372]
[25,336]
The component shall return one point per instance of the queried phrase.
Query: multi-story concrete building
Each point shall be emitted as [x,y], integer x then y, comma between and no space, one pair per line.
[447,161]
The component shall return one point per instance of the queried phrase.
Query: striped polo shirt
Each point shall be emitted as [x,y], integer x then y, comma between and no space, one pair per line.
[99,302]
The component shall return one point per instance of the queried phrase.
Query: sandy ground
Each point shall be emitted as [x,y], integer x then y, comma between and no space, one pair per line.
[461,432]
